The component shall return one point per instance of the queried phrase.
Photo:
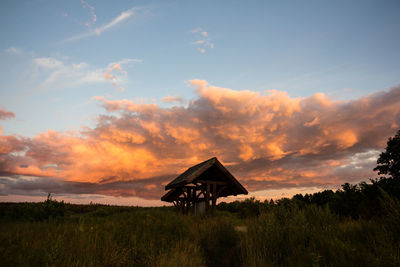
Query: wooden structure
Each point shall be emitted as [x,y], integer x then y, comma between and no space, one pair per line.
[193,190]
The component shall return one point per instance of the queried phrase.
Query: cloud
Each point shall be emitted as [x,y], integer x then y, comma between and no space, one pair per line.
[267,140]
[115,71]
[98,31]
[108,76]
[92,13]
[4,114]
[53,73]
[123,16]
[48,63]
[172,99]
[204,43]
[148,189]
[198,42]
[196,30]
[14,51]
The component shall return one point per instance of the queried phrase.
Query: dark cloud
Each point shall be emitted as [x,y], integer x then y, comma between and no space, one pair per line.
[150,188]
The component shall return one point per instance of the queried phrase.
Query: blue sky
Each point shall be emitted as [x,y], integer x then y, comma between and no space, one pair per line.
[78,67]
[342,48]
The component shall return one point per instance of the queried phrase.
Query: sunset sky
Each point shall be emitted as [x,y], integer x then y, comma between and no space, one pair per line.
[107,101]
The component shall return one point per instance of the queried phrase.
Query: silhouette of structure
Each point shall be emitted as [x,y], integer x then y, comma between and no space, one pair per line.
[193,190]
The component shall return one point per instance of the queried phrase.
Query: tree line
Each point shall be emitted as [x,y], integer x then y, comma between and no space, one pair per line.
[376,198]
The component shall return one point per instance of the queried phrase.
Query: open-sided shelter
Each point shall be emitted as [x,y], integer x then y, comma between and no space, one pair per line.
[197,186]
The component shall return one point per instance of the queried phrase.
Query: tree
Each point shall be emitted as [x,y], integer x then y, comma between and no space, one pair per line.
[389,160]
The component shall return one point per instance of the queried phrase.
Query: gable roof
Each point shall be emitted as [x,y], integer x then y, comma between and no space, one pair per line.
[172,195]
[202,171]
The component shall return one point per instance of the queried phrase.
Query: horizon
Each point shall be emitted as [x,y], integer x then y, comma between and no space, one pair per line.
[108,102]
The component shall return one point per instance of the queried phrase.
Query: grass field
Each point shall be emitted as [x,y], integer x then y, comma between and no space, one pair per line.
[52,233]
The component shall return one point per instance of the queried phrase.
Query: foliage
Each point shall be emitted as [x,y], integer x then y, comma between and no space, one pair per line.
[389,160]
[244,209]
[355,201]
[50,209]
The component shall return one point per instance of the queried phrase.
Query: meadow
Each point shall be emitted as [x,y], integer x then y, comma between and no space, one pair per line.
[302,231]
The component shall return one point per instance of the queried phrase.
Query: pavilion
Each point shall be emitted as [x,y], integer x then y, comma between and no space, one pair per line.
[193,190]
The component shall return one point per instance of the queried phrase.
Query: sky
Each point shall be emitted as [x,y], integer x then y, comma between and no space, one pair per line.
[107,102]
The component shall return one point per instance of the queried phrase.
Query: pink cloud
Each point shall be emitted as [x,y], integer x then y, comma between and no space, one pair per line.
[268,140]
[117,66]
[116,73]
[108,76]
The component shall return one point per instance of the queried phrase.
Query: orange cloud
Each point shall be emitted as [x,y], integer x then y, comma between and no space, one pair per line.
[268,140]
[108,76]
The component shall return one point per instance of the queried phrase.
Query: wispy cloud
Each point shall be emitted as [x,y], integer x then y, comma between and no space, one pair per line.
[14,50]
[50,73]
[115,70]
[204,40]
[93,16]
[98,31]
[48,63]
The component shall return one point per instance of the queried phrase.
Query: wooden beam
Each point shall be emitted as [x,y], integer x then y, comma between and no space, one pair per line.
[201,192]
[189,186]
[214,198]
[220,190]
[193,199]
[211,182]
[208,197]
[202,189]
[189,200]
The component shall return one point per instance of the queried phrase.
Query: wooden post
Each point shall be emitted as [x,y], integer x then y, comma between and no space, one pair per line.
[214,198]
[208,198]
[189,200]
[194,200]
[181,206]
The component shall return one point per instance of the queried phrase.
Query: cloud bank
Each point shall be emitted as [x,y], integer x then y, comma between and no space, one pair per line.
[267,140]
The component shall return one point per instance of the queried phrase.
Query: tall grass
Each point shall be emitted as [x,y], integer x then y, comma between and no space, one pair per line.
[313,236]
[277,235]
